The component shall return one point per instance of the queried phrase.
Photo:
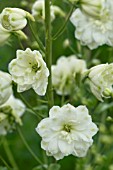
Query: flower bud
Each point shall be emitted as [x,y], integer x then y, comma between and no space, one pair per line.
[38,10]
[5,87]
[101,81]
[20,34]
[107,92]
[109,119]
[14,19]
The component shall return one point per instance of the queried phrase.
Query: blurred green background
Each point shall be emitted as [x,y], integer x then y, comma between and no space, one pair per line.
[100,156]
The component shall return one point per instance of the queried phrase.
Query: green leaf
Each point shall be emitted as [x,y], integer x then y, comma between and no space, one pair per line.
[103,107]
[54,167]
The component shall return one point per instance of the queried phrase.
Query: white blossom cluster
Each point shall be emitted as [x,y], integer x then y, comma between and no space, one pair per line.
[64,74]
[94,23]
[68,129]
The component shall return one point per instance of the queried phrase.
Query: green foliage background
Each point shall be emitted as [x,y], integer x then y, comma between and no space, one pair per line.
[100,156]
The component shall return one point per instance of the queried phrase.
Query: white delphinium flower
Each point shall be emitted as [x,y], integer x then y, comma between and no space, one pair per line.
[10,113]
[67,130]
[101,80]
[5,87]
[14,19]
[94,29]
[29,70]
[38,10]
[64,73]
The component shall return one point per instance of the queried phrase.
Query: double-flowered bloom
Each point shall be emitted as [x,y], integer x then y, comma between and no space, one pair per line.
[67,130]
[29,70]
[94,23]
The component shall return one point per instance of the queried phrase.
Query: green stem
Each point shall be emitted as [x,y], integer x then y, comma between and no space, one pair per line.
[20,43]
[9,154]
[29,106]
[48,42]
[36,37]
[42,101]
[5,163]
[62,28]
[28,147]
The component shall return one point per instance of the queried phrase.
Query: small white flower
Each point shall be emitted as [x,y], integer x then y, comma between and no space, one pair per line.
[101,80]
[5,87]
[29,70]
[67,130]
[10,113]
[38,10]
[93,30]
[14,19]
[64,73]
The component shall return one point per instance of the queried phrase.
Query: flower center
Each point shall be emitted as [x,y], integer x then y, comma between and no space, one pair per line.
[5,22]
[67,128]
[34,67]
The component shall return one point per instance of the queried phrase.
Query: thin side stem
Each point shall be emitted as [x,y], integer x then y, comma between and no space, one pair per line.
[20,43]
[62,28]
[28,147]
[9,154]
[5,163]
[29,106]
[48,42]
[37,38]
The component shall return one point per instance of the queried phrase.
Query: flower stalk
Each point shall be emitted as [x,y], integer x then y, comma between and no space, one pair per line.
[9,154]
[28,147]
[48,43]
